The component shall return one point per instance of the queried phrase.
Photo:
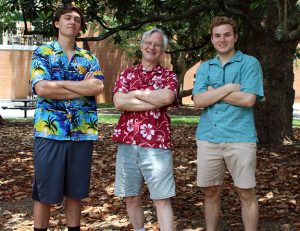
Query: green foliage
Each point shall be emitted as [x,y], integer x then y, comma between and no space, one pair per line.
[297,53]
[189,34]
[8,18]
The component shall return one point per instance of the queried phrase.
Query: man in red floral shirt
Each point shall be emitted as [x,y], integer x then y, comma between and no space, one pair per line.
[143,93]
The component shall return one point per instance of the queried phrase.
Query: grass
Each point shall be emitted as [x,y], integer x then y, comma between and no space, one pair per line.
[105,105]
[108,119]
[113,119]
[296,123]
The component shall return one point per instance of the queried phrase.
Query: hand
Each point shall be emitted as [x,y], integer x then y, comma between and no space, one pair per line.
[89,75]
[231,87]
[210,88]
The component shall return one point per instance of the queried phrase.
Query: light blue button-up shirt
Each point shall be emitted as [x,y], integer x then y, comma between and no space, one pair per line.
[223,122]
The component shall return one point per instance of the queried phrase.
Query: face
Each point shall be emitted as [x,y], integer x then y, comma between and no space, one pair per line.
[152,48]
[223,39]
[69,24]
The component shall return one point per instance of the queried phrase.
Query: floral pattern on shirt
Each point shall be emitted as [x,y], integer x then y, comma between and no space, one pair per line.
[146,128]
[74,119]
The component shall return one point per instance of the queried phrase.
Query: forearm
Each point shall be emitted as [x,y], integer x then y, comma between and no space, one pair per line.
[129,102]
[86,87]
[157,98]
[54,90]
[241,99]
[210,97]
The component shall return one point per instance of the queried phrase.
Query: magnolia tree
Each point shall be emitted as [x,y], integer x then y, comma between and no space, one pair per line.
[268,30]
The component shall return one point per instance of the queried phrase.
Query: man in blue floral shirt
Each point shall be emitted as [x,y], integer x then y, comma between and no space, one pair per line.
[66,80]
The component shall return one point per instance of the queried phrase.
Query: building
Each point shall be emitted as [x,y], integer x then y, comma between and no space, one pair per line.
[15,56]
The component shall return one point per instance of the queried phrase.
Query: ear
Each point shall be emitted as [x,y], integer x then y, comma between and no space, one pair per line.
[56,24]
[236,37]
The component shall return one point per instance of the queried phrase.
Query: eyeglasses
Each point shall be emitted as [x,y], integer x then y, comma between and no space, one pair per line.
[150,43]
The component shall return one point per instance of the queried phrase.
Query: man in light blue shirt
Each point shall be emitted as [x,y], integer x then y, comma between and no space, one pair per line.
[227,87]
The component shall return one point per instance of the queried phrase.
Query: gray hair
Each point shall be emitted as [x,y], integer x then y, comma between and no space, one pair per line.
[149,32]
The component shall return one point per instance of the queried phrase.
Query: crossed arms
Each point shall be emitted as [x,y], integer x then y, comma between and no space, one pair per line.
[143,100]
[229,93]
[66,89]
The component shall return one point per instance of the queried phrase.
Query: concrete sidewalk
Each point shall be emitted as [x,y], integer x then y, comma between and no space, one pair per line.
[296,111]
[15,113]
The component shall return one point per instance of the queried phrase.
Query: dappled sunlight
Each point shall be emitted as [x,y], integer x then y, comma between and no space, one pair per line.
[277,186]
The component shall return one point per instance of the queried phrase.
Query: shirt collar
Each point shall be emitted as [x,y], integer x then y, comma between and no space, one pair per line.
[155,69]
[57,48]
[237,57]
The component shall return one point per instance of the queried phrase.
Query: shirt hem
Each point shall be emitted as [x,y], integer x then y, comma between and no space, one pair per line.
[228,140]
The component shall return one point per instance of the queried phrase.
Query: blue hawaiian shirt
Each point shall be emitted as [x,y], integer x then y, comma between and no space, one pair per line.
[223,122]
[74,119]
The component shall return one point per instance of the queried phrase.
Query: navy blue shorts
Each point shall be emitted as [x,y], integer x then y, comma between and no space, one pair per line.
[62,168]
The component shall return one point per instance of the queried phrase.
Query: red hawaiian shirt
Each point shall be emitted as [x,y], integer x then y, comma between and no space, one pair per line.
[146,128]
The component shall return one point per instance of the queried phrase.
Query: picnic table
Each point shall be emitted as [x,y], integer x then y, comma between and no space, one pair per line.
[28,104]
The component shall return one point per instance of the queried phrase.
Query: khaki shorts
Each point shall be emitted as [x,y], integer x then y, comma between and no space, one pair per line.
[213,158]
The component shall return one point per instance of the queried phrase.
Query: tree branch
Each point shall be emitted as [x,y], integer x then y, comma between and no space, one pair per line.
[192,48]
[292,32]
[134,25]
[231,8]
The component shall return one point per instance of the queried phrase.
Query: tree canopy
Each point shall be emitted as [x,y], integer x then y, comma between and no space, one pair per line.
[268,30]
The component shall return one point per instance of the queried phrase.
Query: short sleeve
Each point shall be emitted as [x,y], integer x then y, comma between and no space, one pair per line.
[40,67]
[172,84]
[96,68]
[201,80]
[252,78]
[121,84]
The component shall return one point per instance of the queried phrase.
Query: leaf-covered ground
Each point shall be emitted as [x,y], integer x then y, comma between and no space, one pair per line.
[278,186]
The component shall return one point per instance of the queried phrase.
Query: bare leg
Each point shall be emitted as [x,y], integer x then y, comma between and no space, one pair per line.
[164,214]
[249,208]
[212,205]
[135,211]
[73,212]
[41,214]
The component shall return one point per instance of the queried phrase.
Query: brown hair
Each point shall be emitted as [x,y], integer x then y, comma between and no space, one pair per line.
[63,10]
[221,20]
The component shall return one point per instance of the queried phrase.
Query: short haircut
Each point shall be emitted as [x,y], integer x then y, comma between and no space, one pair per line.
[221,20]
[149,32]
[63,10]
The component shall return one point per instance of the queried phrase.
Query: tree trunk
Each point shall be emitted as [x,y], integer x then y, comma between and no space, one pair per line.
[274,116]
[180,68]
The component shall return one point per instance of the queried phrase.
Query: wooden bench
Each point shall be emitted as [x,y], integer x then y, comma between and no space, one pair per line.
[25,108]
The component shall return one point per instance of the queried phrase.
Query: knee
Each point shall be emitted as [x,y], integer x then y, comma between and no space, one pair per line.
[133,201]
[162,203]
[213,192]
[246,195]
